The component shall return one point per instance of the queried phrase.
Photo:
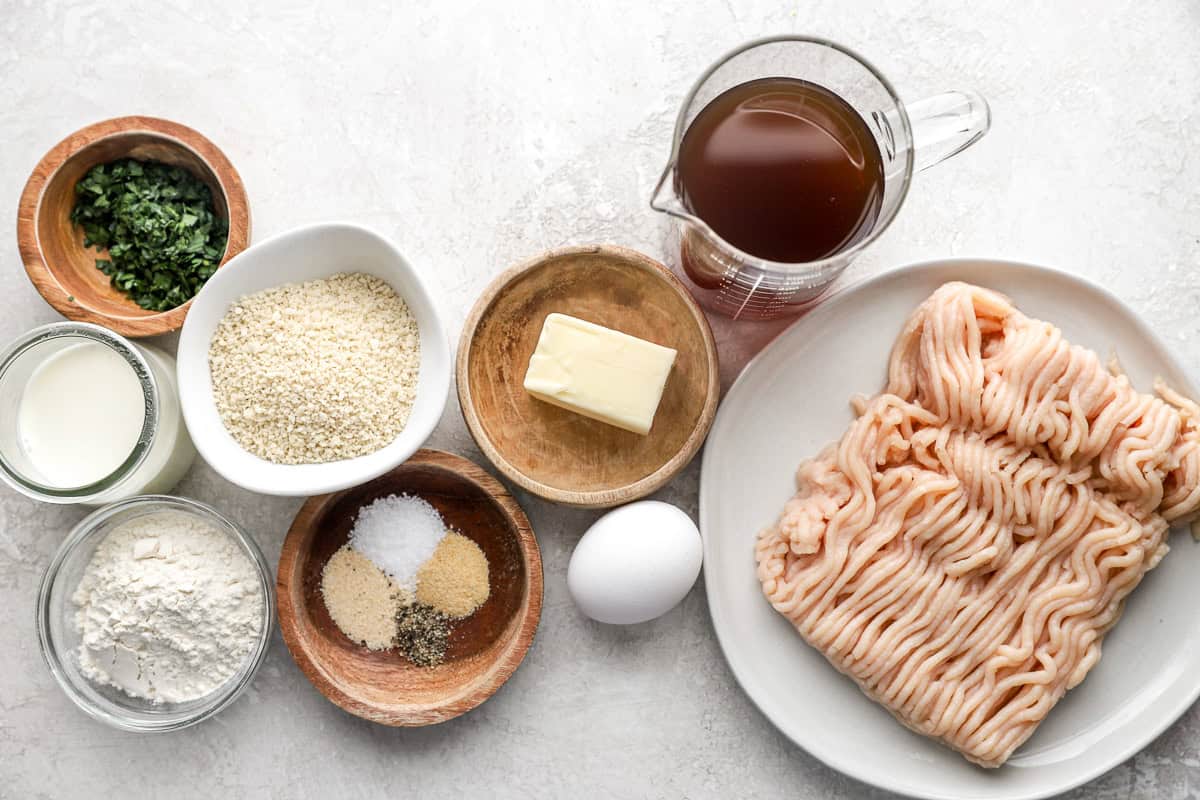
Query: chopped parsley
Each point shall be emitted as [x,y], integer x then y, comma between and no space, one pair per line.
[163,237]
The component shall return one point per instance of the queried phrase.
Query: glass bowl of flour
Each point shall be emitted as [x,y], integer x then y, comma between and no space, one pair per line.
[155,613]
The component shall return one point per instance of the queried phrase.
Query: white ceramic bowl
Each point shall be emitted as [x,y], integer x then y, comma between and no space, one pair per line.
[316,251]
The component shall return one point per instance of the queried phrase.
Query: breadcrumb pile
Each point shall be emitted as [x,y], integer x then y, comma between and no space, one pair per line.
[317,371]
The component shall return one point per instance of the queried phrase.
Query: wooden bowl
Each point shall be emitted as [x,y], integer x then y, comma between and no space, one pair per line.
[555,453]
[62,270]
[485,648]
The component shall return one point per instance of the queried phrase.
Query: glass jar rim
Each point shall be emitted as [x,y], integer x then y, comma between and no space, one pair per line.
[801,267]
[17,478]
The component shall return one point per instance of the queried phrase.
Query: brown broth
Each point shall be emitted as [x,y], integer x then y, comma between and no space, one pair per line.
[782,169]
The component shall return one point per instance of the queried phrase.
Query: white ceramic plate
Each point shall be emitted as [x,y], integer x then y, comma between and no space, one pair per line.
[791,400]
[316,251]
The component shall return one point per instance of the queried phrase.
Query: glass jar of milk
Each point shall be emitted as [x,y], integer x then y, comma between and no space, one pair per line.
[86,416]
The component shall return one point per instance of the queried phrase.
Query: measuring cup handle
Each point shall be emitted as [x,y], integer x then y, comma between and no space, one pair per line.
[946,124]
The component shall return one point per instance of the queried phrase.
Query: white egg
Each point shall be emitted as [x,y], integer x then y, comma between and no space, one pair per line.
[635,563]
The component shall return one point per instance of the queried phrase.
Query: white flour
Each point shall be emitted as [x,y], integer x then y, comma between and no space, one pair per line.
[168,608]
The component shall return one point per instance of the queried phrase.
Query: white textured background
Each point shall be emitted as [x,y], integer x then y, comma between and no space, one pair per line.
[477,134]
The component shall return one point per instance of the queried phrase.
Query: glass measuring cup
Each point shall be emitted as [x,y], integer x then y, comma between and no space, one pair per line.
[910,138]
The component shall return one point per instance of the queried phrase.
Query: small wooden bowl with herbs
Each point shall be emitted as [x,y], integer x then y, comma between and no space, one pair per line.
[122,222]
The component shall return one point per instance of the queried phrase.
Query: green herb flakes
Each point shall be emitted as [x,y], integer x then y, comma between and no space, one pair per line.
[157,221]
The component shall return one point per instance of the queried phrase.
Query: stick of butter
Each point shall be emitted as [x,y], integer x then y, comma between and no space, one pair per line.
[599,373]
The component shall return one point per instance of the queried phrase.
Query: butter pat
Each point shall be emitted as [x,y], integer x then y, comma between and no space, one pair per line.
[600,373]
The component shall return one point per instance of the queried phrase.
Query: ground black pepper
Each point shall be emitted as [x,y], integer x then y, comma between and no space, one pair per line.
[423,634]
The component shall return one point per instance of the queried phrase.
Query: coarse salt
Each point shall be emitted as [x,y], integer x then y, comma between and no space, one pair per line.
[398,533]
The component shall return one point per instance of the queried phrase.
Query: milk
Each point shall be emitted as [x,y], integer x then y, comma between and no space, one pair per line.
[80,415]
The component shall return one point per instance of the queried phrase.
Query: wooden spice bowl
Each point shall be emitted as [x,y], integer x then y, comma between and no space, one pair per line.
[64,271]
[555,453]
[485,648]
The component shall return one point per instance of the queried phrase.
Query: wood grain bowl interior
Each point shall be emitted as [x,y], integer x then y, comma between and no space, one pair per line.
[62,269]
[485,648]
[556,453]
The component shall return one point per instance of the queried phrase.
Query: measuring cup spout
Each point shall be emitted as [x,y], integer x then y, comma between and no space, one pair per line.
[665,198]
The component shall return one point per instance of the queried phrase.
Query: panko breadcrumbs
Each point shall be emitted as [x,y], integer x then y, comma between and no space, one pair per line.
[316,371]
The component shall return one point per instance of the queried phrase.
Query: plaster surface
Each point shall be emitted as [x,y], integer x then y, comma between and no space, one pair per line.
[477,134]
